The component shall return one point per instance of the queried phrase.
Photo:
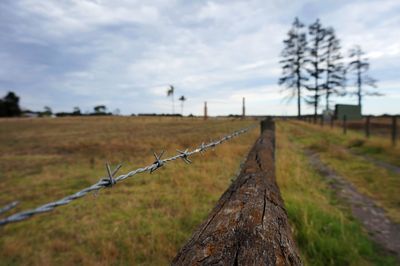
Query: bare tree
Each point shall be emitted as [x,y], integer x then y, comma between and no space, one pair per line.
[359,66]
[293,62]
[170,92]
[182,99]
[316,60]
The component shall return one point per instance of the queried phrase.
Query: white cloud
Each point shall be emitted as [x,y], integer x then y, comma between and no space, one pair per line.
[218,51]
[61,18]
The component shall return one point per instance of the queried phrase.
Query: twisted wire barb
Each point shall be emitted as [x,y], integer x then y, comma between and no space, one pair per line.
[110,181]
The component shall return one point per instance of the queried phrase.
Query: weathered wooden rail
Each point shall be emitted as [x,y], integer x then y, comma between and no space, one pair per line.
[249,224]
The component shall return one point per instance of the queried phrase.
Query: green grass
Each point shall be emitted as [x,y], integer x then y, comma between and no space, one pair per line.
[324,230]
[335,149]
[377,146]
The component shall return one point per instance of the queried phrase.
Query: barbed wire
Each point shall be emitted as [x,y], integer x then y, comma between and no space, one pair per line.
[110,180]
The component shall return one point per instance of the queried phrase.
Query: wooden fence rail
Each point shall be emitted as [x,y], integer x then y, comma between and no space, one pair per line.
[249,224]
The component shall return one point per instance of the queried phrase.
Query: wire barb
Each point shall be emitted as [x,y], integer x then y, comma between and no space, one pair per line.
[202,148]
[158,162]
[110,181]
[184,155]
[212,144]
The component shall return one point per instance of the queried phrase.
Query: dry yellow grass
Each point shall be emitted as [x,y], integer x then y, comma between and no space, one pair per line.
[147,218]
[143,220]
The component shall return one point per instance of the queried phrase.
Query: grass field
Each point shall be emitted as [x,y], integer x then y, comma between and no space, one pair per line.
[323,227]
[146,219]
[143,220]
[341,153]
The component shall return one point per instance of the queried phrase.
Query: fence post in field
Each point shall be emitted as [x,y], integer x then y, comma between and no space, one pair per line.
[267,124]
[322,121]
[205,111]
[394,130]
[243,108]
[331,121]
[248,225]
[367,126]
[344,124]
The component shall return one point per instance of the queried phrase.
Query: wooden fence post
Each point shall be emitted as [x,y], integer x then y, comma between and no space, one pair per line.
[267,124]
[344,124]
[367,126]
[331,121]
[322,121]
[248,225]
[244,108]
[394,130]
[205,111]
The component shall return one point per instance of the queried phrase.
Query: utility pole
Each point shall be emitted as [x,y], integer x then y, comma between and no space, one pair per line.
[244,108]
[205,111]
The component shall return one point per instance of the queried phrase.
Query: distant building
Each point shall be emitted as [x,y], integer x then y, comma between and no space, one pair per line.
[352,112]
[29,113]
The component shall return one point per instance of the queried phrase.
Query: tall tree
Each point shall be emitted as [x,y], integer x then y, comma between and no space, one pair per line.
[359,66]
[334,69]
[47,111]
[170,92]
[293,62]
[316,60]
[77,111]
[9,105]
[100,109]
[182,99]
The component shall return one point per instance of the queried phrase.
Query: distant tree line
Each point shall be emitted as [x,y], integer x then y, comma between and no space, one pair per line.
[9,107]
[99,110]
[314,69]
[155,114]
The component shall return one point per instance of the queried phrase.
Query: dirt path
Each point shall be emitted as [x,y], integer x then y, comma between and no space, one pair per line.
[385,232]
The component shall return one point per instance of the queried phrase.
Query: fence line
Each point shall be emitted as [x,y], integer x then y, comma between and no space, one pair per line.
[110,180]
[366,122]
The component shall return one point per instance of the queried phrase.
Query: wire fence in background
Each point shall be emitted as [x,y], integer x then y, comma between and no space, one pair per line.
[381,126]
[110,180]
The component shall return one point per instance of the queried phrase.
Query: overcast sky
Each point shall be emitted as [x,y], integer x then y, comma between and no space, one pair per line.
[123,54]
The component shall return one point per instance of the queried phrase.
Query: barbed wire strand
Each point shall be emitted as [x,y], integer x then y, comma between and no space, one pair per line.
[9,207]
[109,181]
